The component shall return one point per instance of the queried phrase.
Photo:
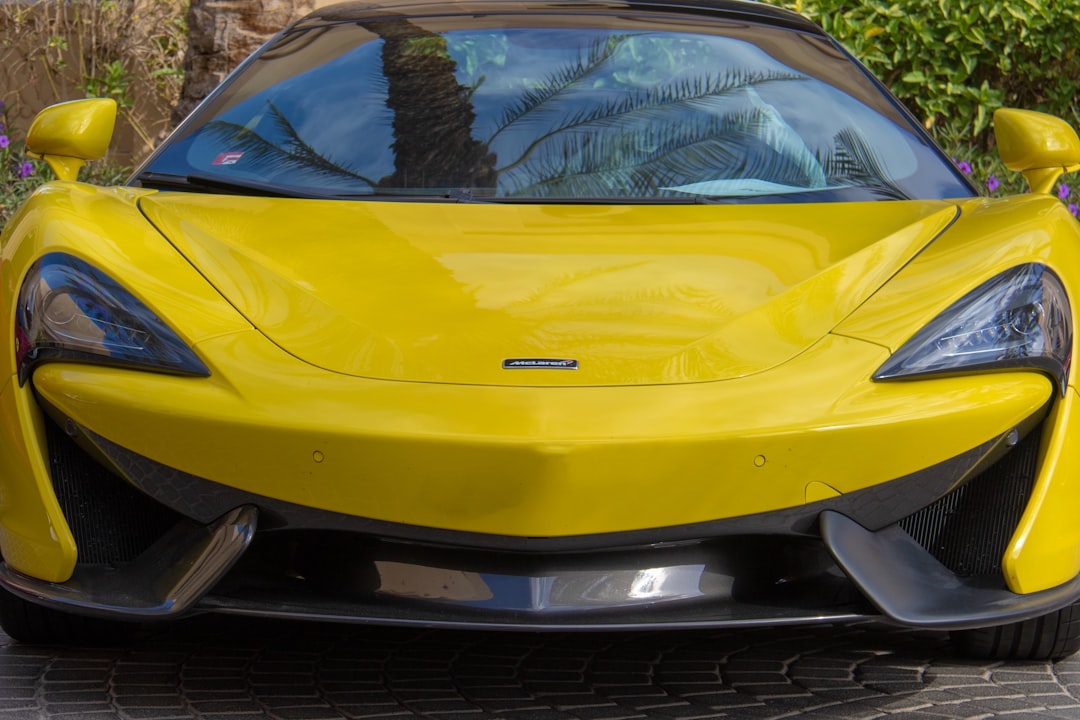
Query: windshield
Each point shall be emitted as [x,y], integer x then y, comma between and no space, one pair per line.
[633,110]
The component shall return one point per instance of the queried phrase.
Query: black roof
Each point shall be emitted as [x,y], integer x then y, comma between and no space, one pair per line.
[744,10]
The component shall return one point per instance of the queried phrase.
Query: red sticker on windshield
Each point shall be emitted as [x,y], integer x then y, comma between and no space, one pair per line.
[228,158]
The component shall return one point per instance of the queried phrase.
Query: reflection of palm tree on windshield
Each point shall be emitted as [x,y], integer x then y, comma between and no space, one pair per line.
[854,162]
[569,136]
[293,153]
[433,143]
[433,118]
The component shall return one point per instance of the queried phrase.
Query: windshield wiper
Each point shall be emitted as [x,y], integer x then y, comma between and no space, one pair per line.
[241,186]
[845,193]
[230,186]
[453,195]
[602,200]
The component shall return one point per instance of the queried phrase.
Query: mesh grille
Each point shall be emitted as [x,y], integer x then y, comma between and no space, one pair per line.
[969,529]
[112,522]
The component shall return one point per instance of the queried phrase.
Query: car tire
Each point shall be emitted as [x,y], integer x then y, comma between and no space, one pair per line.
[38,625]
[1048,637]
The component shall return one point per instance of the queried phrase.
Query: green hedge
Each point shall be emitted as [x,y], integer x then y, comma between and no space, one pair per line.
[953,62]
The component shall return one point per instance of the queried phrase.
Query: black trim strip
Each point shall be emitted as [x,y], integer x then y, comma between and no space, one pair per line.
[692,618]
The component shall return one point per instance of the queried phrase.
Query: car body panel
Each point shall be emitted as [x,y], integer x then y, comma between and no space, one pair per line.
[989,236]
[34,534]
[635,294]
[536,462]
[1045,550]
[104,227]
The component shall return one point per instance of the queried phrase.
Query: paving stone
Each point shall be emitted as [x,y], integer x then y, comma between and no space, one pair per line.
[221,668]
[631,691]
[238,705]
[444,705]
[307,713]
[155,714]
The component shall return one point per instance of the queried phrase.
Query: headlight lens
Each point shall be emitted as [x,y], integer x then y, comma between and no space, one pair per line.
[1019,319]
[70,310]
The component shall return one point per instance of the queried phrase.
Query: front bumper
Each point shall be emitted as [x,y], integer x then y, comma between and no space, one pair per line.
[524,461]
[519,490]
[814,563]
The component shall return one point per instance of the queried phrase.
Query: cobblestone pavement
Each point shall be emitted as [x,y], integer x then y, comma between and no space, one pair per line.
[240,669]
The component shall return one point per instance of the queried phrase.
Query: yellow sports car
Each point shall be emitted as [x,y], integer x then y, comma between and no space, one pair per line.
[544,315]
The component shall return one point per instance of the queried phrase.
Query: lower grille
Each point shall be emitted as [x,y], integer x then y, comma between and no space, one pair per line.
[969,529]
[112,521]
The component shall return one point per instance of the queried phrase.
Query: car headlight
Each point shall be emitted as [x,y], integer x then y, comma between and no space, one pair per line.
[1019,319]
[70,310]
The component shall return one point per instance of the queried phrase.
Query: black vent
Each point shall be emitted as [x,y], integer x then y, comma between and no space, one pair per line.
[112,521]
[969,529]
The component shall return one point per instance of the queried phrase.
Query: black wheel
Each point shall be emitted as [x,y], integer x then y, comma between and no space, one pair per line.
[1048,637]
[34,624]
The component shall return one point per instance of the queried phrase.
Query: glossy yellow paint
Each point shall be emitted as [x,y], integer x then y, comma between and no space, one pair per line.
[68,134]
[524,459]
[990,236]
[104,227]
[34,535]
[817,491]
[637,294]
[1045,551]
[1040,146]
[528,461]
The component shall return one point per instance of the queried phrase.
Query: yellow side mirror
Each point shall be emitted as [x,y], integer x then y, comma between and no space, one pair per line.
[1041,147]
[68,134]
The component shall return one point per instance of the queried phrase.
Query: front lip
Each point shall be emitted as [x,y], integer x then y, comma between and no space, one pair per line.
[686,586]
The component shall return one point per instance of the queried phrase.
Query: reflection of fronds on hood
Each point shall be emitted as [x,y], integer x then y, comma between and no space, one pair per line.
[653,104]
[612,162]
[291,155]
[854,162]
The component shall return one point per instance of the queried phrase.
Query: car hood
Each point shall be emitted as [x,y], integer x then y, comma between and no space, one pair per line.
[435,292]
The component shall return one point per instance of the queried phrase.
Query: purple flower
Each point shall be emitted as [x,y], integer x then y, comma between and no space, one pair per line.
[4,141]
[25,169]
[1063,191]
[1073,209]
[963,165]
[992,183]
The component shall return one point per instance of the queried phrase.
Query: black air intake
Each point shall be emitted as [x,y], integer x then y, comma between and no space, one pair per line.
[969,529]
[112,521]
